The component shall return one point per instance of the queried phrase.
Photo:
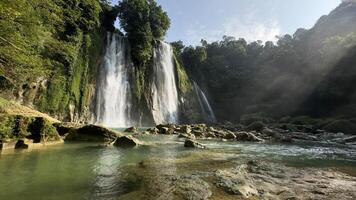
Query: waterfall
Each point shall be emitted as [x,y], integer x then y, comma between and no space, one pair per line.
[113,104]
[204,104]
[163,86]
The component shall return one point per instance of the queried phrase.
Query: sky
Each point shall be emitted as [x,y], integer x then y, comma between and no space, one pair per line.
[193,20]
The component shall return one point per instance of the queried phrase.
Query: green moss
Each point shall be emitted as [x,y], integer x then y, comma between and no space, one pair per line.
[42,131]
[7,125]
[184,84]
[56,40]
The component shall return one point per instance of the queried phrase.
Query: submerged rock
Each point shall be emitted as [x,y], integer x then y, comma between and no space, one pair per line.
[236,182]
[126,142]
[193,144]
[92,133]
[189,187]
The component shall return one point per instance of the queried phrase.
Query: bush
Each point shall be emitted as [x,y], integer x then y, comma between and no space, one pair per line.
[7,125]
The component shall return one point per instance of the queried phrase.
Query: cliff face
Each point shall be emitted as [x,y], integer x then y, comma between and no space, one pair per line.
[50,52]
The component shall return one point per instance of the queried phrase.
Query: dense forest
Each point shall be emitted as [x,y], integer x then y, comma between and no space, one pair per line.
[311,73]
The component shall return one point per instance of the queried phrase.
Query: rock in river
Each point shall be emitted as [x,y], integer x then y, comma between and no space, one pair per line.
[126,142]
[91,133]
[193,144]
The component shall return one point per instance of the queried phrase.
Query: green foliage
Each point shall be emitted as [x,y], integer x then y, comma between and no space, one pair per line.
[7,124]
[184,85]
[56,40]
[143,21]
[159,20]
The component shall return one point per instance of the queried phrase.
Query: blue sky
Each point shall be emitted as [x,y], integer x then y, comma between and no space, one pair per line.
[192,20]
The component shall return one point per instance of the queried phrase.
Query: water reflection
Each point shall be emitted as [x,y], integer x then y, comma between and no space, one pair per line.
[107,172]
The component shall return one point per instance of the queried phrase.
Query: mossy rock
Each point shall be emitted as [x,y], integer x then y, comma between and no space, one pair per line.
[343,126]
[37,129]
[43,131]
[256,126]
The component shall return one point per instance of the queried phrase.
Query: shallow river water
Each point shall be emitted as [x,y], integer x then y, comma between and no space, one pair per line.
[90,171]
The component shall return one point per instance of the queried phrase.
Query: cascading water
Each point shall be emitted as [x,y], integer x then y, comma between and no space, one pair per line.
[114,92]
[163,86]
[204,104]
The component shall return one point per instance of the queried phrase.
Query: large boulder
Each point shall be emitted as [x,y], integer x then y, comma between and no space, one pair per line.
[92,133]
[189,143]
[126,142]
[64,128]
[42,131]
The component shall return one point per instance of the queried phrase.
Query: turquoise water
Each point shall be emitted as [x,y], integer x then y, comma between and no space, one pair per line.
[91,171]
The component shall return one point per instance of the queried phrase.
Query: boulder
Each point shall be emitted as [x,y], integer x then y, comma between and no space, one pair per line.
[229,136]
[165,129]
[193,144]
[256,126]
[187,136]
[248,137]
[42,131]
[268,132]
[92,133]
[198,133]
[131,130]
[186,129]
[126,142]
[210,135]
[153,131]
[65,128]
[20,144]
[351,139]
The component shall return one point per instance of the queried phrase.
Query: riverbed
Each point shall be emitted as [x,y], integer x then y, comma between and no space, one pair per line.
[93,171]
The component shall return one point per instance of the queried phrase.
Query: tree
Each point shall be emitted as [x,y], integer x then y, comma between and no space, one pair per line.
[159,20]
[143,21]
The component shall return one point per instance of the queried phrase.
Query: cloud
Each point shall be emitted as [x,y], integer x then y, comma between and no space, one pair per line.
[251,29]
[248,26]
